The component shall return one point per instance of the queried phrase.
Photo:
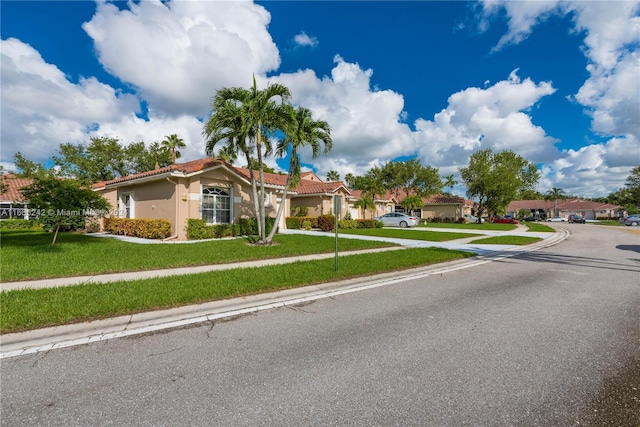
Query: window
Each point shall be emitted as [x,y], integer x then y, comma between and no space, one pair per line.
[216,205]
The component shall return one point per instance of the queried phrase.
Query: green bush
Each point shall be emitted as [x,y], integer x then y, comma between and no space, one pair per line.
[293,222]
[144,228]
[21,224]
[346,224]
[306,224]
[198,229]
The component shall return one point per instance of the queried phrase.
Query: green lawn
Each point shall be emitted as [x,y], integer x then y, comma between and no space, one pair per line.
[539,227]
[28,255]
[403,233]
[507,240]
[470,226]
[26,309]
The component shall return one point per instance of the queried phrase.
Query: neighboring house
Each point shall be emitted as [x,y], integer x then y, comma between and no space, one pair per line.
[587,208]
[318,196]
[12,203]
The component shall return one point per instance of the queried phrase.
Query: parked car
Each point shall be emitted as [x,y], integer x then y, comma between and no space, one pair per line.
[503,220]
[633,220]
[577,219]
[556,219]
[398,219]
[529,219]
[473,219]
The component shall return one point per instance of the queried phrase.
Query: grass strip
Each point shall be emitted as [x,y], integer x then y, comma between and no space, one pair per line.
[29,255]
[539,228]
[26,309]
[507,240]
[470,226]
[396,233]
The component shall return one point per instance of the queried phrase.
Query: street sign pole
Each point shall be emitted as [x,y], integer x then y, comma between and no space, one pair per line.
[336,210]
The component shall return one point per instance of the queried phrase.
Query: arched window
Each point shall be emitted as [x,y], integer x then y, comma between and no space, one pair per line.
[216,205]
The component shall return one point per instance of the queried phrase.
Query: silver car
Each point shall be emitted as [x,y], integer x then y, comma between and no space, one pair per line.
[397,219]
[633,220]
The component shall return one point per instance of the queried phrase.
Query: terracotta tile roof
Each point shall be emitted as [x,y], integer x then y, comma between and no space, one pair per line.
[14,184]
[440,199]
[193,167]
[314,187]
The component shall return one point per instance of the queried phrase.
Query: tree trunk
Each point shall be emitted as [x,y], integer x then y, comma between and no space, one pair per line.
[254,189]
[262,217]
[55,235]
[280,209]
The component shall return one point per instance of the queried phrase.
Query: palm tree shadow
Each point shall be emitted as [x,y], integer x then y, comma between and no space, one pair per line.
[580,261]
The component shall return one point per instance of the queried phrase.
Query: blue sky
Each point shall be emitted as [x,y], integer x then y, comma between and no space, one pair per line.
[556,82]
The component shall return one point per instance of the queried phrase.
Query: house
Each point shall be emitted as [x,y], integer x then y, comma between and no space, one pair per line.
[545,208]
[214,190]
[12,202]
[437,207]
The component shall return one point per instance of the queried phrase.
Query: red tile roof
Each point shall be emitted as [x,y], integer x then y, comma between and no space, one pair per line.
[14,184]
[315,187]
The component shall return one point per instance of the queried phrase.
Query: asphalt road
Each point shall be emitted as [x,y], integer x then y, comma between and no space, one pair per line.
[547,338]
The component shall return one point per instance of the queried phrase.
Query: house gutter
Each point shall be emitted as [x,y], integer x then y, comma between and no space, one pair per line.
[174,236]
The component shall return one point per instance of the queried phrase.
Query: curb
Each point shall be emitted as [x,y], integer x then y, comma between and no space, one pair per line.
[45,339]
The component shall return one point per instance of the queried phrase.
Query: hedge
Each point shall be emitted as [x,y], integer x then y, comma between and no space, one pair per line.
[198,229]
[21,224]
[144,228]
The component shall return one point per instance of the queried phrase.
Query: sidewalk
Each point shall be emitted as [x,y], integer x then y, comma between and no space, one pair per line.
[45,339]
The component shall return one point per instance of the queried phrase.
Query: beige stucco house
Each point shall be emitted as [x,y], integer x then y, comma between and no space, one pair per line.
[587,208]
[214,190]
[12,203]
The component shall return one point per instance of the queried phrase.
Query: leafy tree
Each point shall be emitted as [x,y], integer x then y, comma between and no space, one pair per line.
[333,176]
[101,160]
[530,195]
[246,119]
[632,185]
[496,179]
[62,200]
[140,158]
[173,143]
[372,184]
[554,194]
[412,177]
[303,131]
[27,167]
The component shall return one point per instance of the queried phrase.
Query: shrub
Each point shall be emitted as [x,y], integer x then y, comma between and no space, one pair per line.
[21,224]
[299,211]
[293,222]
[144,228]
[326,222]
[306,224]
[198,229]
[346,224]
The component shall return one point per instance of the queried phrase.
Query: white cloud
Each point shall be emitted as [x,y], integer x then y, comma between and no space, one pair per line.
[492,117]
[366,122]
[610,95]
[302,39]
[183,51]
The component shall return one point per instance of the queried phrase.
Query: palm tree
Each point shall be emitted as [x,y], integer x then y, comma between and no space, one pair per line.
[450,182]
[349,179]
[333,176]
[555,194]
[366,202]
[303,131]
[411,203]
[242,117]
[173,143]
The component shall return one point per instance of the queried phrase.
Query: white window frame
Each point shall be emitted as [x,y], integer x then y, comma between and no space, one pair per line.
[229,196]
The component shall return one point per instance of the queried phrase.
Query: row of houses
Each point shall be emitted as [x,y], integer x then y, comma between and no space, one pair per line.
[219,192]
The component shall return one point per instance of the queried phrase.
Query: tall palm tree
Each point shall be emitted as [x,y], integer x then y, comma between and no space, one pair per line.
[246,116]
[333,176]
[349,179]
[450,182]
[303,131]
[173,143]
[554,194]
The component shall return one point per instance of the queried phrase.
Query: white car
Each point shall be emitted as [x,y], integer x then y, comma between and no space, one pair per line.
[473,219]
[398,219]
[557,219]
